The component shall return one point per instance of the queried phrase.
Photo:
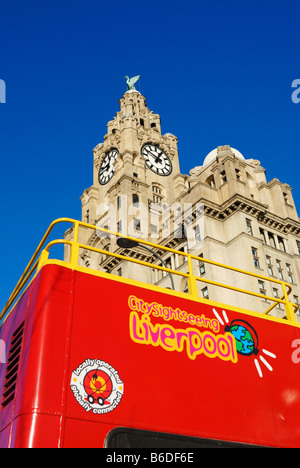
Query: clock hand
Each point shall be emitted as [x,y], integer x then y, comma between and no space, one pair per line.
[158,158]
[105,168]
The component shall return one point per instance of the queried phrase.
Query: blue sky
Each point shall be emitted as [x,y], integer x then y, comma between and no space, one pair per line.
[218,72]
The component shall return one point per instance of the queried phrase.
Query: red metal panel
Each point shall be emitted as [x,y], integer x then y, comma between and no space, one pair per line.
[99,354]
[42,375]
[45,348]
[84,433]
[6,332]
[183,390]
[36,430]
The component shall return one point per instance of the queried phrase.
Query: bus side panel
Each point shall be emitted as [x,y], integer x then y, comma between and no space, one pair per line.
[177,367]
[14,321]
[36,431]
[5,437]
[41,380]
[43,361]
[87,434]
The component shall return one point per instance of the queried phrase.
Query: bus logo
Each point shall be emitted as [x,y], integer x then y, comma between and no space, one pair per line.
[96,386]
[247,344]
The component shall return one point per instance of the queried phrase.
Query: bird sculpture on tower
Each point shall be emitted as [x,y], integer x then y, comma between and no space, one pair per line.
[131,82]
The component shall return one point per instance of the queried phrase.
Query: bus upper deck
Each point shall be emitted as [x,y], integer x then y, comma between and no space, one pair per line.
[94,359]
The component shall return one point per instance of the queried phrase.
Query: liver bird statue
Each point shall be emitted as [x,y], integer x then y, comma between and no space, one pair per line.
[131,82]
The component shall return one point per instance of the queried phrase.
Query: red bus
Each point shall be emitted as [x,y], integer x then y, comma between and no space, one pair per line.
[98,360]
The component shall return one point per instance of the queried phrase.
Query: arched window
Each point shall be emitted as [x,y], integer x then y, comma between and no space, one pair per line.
[211,181]
[157,194]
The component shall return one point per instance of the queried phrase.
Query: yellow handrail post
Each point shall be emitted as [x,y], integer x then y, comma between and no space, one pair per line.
[76,231]
[74,254]
[75,246]
[289,309]
[192,282]
[43,258]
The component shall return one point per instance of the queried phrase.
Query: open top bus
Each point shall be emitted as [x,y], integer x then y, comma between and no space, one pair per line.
[98,360]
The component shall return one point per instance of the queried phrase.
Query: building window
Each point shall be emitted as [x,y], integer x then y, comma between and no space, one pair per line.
[262,235]
[119,203]
[279,268]
[201,265]
[119,272]
[135,200]
[281,244]
[298,247]
[285,197]
[201,268]
[87,216]
[272,240]
[157,194]
[255,257]
[276,294]
[205,294]
[137,224]
[197,233]
[249,227]
[157,199]
[261,286]
[289,273]
[269,265]
[296,301]
[156,189]
[211,181]
[223,177]
[238,174]
[119,226]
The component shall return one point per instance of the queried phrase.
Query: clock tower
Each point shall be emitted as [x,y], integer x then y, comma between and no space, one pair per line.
[136,172]
[225,210]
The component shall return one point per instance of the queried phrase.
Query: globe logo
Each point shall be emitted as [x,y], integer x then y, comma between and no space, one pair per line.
[245,336]
[246,342]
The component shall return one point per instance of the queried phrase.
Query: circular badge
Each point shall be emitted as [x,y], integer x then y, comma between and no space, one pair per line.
[97,387]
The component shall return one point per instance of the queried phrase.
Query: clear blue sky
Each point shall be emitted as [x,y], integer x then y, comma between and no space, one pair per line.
[218,72]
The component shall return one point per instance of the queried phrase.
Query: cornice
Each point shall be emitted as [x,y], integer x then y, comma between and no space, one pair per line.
[252,208]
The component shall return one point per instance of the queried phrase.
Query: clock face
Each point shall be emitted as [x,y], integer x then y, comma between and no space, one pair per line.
[107,168]
[157,160]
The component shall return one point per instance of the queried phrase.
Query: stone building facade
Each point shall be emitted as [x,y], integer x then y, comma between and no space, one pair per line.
[224,210]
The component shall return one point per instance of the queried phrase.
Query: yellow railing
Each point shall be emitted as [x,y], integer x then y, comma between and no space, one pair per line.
[41,256]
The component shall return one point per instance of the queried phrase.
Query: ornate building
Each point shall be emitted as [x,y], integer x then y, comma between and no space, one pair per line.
[225,211]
